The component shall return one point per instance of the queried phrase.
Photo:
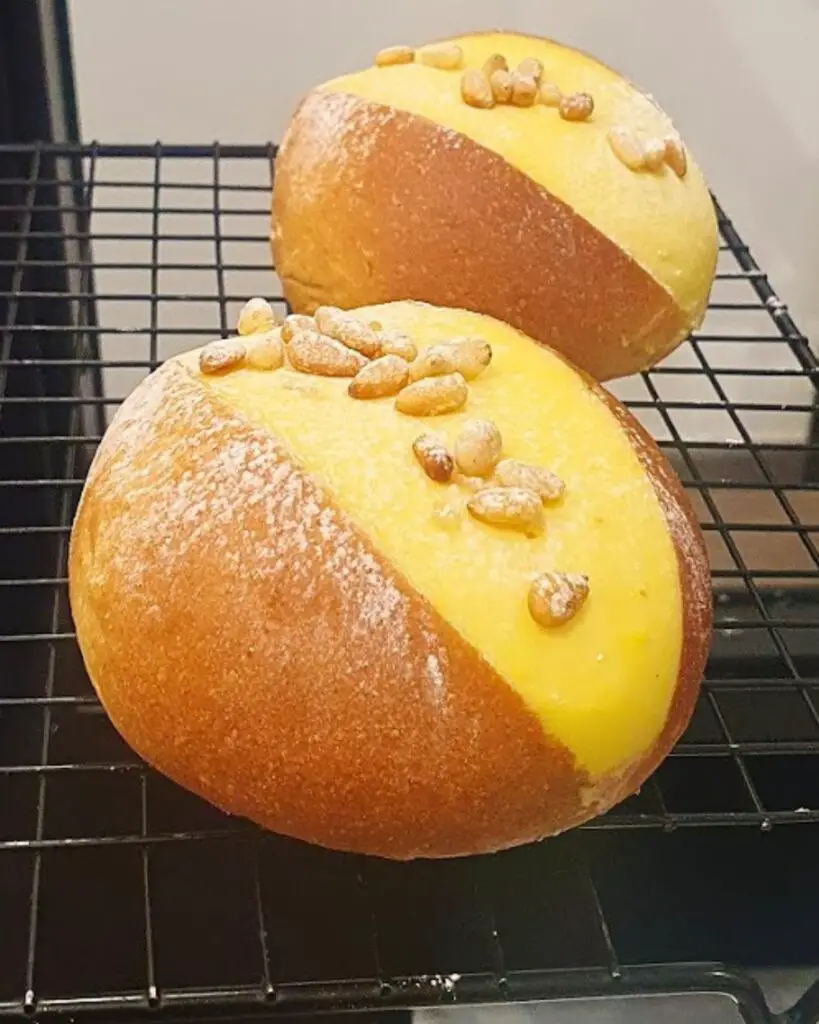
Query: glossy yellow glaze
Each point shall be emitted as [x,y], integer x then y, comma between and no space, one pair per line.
[667,225]
[603,683]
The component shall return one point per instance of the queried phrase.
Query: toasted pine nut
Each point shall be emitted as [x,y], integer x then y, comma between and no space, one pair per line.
[394,55]
[256,316]
[511,473]
[265,351]
[501,83]
[476,90]
[467,356]
[433,396]
[628,148]
[435,361]
[445,56]
[579,106]
[675,156]
[312,352]
[524,90]
[359,336]
[220,356]
[433,458]
[380,378]
[326,316]
[549,94]
[556,597]
[654,154]
[335,323]
[396,343]
[472,355]
[531,67]
[478,447]
[294,323]
[513,507]
[496,62]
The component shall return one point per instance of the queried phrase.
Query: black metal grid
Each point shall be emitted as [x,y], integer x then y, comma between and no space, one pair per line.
[120,892]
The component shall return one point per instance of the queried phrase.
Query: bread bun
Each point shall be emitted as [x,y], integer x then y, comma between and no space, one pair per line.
[390,186]
[283,611]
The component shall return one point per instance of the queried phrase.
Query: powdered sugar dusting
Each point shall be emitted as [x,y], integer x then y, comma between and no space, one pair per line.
[435,675]
[200,501]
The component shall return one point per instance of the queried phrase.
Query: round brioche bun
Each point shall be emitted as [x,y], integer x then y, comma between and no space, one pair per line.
[283,613]
[389,186]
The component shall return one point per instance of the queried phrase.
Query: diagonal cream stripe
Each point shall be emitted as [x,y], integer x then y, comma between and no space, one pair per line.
[603,685]
[665,224]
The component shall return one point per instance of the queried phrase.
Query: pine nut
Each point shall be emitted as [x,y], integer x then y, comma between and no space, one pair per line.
[654,154]
[467,356]
[433,458]
[675,156]
[478,447]
[327,316]
[315,353]
[531,67]
[628,148]
[294,323]
[335,323]
[220,356]
[394,55]
[579,106]
[472,355]
[380,378]
[435,361]
[433,396]
[512,507]
[265,351]
[549,94]
[501,83]
[476,90]
[511,473]
[445,56]
[496,62]
[359,336]
[256,316]
[556,597]
[524,90]
[396,343]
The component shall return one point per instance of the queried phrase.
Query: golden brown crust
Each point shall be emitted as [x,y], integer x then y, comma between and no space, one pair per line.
[250,643]
[444,220]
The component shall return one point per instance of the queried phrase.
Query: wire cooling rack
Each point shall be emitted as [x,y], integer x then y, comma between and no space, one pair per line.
[120,893]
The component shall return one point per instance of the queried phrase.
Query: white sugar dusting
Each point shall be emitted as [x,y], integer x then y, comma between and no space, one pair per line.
[268,521]
[434,673]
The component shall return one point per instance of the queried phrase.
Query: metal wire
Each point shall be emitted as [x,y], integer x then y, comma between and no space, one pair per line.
[735,411]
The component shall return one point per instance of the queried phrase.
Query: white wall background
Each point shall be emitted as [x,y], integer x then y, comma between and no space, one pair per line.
[740,77]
